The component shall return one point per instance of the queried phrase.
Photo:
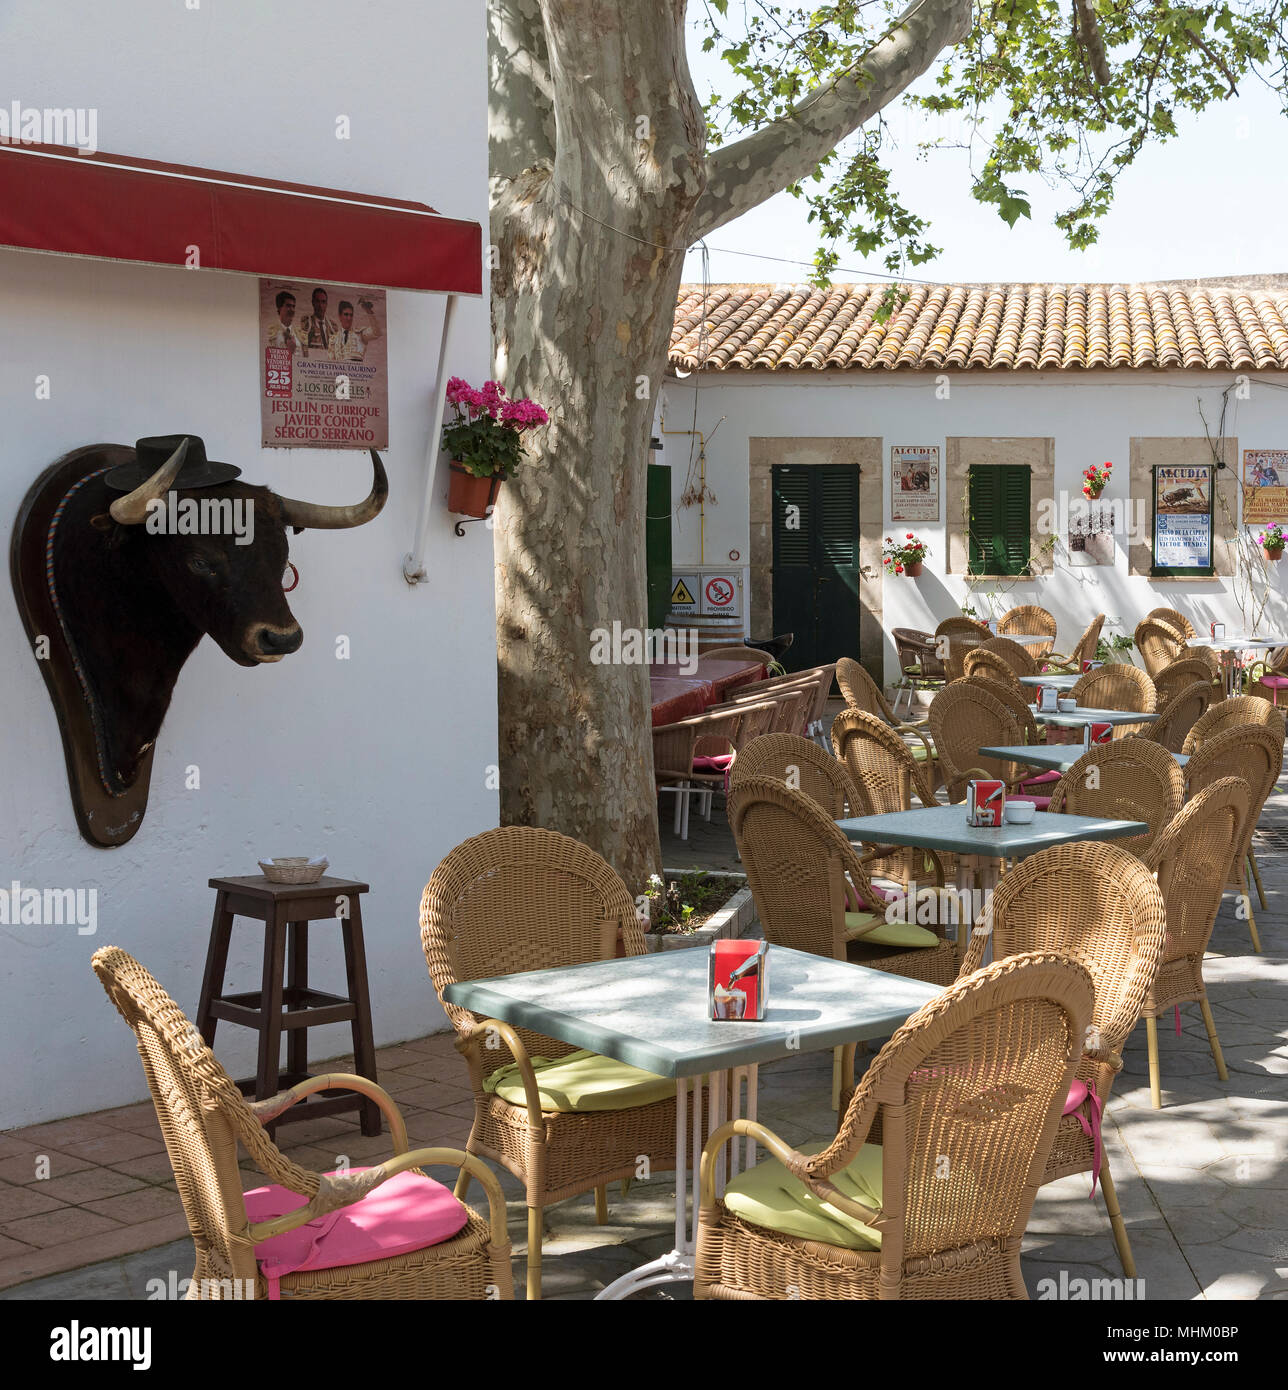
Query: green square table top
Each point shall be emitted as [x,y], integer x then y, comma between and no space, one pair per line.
[1061,682]
[944,827]
[651,1010]
[1087,715]
[1057,757]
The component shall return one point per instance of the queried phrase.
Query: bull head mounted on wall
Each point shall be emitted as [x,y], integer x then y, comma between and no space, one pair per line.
[122,559]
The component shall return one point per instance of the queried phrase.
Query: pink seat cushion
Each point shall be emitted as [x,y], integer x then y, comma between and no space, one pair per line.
[1040,778]
[722,762]
[408,1212]
[1275,682]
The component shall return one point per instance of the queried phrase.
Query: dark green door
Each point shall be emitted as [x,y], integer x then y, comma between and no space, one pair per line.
[816,562]
[657,543]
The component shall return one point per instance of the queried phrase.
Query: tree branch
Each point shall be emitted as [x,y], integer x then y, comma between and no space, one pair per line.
[521,123]
[1090,38]
[741,175]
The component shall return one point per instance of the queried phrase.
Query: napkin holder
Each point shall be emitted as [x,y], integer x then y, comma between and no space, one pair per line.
[737,986]
[1096,733]
[1218,632]
[1091,666]
[1048,699]
[985,802]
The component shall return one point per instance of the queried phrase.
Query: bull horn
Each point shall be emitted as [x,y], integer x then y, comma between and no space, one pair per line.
[312,516]
[132,509]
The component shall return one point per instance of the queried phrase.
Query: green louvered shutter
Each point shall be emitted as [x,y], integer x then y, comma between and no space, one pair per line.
[999,518]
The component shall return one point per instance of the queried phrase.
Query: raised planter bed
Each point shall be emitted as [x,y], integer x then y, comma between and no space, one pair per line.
[729,920]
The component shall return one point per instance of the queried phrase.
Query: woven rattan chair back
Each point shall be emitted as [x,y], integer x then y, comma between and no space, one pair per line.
[1158,643]
[860,691]
[1252,752]
[1017,699]
[1088,643]
[1116,685]
[1029,618]
[954,637]
[1015,656]
[1098,903]
[1128,779]
[1174,619]
[1179,715]
[522,898]
[795,858]
[203,1116]
[969,1091]
[1239,711]
[982,663]
[1192,858]
[966,716]
[800,763]
[1208,657]
[1180,675]
[880,766]
[740,653]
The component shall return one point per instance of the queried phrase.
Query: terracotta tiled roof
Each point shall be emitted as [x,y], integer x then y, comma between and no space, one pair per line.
[779,327]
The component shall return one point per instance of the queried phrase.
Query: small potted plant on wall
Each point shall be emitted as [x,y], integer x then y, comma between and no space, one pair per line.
[1272,541]
[905,556]
[1095,479]
[485,442]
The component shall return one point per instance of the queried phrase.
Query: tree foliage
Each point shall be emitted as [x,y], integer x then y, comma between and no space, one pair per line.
[1068,91]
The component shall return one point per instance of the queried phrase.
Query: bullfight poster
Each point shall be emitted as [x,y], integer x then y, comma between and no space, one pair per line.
[914,482]
[323,367]
[1183,517]
[1265,486]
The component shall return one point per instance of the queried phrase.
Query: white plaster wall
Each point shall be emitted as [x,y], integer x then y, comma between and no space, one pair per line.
[1091,415]
[379,761]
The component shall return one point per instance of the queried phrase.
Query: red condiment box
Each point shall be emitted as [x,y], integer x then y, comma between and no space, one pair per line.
[984,802]
[1091,666]
[1097,733]
[737,987]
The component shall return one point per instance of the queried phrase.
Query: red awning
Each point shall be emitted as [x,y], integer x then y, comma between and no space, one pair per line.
[118,208]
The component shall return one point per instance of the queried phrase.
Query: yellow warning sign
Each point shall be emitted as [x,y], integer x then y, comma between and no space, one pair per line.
[680,594]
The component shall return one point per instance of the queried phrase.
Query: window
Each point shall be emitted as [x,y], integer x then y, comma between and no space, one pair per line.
[999,518]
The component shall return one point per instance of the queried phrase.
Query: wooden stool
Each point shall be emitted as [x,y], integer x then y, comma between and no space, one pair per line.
[285,1000]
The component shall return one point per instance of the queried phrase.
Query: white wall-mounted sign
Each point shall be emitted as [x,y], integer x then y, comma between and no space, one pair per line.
[914,482]
[721,594]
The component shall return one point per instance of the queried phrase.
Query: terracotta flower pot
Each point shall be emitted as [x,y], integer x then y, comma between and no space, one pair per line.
[468,495]
[1091,492]
[1273,552]
[912,569]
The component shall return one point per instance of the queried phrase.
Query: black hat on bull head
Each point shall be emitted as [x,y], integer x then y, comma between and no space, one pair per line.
[155,451]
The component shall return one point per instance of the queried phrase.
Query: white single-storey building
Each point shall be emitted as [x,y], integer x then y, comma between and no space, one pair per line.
[375,743]
[804,426]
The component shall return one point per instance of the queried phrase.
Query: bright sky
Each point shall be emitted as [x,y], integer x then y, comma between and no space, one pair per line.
[1211,202]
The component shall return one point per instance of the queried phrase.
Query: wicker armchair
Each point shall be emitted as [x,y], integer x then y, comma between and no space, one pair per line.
[969,715]
[203,1115]
[862,692]
[919,660]
[1179,715]
[969,1092]
[1174,618]
[523,898]
[1099,904]
[1117,686]
[1237,712]
[885,777]
[1158,643]
[1180,675]
[797,863]
[815,683]
[1030,618]
[1016,657]
[954,637]
[1192,860]
[1254,753]
[743,653]
[1084,649]
[1134,779]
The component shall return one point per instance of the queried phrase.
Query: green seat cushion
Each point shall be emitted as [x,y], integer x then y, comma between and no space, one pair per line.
[906,934]
[769,1196]
[920,752]
[582,1081]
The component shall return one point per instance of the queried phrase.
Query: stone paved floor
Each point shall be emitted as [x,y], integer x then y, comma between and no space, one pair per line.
[1203,1182]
